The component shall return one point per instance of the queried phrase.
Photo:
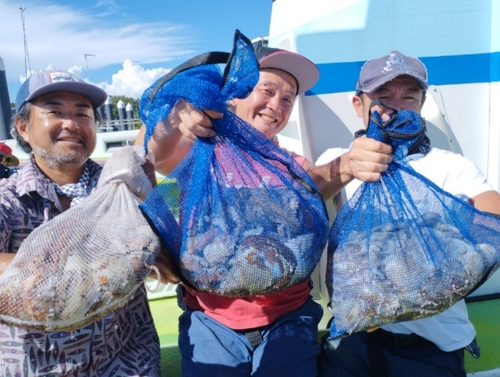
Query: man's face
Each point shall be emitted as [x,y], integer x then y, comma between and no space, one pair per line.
[401,93]
[61,129]
[270,104]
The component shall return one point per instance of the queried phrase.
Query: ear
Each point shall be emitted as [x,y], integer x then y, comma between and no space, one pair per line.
[22,129]
[357,102]
[233,102]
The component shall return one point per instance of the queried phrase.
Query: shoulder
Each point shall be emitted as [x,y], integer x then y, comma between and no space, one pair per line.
[301,160]
[452,172]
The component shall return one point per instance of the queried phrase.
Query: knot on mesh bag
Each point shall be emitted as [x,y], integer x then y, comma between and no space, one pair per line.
[402,248]
[87,261]
[238,215]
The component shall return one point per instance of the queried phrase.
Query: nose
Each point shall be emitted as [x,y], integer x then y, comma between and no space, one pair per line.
[274,103]
[70,123]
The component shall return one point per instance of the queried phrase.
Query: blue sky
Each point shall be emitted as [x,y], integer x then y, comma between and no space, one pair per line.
[128,43]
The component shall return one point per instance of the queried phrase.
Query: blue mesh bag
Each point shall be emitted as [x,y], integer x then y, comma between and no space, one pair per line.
[238,215]
[402,248]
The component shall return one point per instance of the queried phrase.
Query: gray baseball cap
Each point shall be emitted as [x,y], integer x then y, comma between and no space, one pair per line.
[45,82]
[305,72]
[377,72]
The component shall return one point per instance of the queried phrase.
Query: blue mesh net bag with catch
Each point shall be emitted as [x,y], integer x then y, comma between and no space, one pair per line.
[402,248]
[238,215]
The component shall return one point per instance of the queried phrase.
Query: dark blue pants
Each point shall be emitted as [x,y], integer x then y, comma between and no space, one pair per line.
[289,347]
[351,359]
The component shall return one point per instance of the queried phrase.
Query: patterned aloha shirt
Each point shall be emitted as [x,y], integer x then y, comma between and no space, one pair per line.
[124,343]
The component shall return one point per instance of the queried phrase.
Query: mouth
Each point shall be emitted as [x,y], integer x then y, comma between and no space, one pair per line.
[268,118]
[70,139]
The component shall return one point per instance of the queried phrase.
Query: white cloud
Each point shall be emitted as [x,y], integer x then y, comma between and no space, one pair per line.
[60,35]
[132,80]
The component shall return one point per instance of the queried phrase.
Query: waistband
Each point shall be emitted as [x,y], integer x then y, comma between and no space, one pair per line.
[401,340]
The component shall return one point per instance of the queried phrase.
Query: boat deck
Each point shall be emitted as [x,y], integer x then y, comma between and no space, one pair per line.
[484,315]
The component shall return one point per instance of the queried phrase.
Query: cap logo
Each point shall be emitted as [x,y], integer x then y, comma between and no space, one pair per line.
[395,61]
[61,76]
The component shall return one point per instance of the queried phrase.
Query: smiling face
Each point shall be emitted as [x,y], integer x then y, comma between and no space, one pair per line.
[61,130]
[269,105]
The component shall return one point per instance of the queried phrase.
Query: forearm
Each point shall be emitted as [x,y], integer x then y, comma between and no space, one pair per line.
[332,177]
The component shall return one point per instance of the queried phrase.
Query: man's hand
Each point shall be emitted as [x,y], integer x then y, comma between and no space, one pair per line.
[368,158]
[191,122]
[149,169]
[166,267]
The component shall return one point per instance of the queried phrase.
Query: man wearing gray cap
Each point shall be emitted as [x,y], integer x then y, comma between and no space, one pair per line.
[431,346]
[56,122]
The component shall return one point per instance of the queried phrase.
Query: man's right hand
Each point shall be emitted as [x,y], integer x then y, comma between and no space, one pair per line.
[174,136]
[191,122]
[368,159]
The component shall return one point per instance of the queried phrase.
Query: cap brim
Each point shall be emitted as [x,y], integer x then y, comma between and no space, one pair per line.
[95,95]
[305,71]
[375,85]
[12,160]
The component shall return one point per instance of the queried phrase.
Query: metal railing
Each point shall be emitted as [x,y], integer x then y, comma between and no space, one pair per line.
[119,125]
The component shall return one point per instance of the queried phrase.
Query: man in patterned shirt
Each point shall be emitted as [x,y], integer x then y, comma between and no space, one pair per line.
[55,121]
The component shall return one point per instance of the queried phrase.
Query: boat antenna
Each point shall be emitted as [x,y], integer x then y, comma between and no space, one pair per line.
[27,64]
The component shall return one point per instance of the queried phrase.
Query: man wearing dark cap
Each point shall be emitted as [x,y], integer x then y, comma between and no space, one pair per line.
[56,123]
[273,334]
[431,346]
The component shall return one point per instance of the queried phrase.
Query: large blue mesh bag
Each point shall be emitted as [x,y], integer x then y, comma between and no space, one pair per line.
[238,215]
[402,248]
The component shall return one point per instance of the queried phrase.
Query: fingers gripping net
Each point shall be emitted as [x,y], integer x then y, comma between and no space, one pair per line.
[402,248]
[239,216]
[87,261]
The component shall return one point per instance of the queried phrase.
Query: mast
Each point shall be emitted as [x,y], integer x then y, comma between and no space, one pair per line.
[27,63]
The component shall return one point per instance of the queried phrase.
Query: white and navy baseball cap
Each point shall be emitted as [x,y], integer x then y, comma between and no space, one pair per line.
[45,82]
[377,72]
[305,72]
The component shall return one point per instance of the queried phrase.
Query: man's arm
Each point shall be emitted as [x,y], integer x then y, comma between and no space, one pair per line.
[174,136]
[488,201]
[366,160]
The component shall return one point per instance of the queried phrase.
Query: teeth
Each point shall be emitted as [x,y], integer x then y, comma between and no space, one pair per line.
[267,117]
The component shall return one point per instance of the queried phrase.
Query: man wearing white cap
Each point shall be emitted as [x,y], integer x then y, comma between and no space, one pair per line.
[264,335]
[433,346]
[56,122]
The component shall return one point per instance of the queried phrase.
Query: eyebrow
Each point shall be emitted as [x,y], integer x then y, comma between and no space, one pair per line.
[55,102]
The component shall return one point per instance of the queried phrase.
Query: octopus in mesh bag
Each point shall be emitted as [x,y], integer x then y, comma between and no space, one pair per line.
[391,277]
[87,261]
